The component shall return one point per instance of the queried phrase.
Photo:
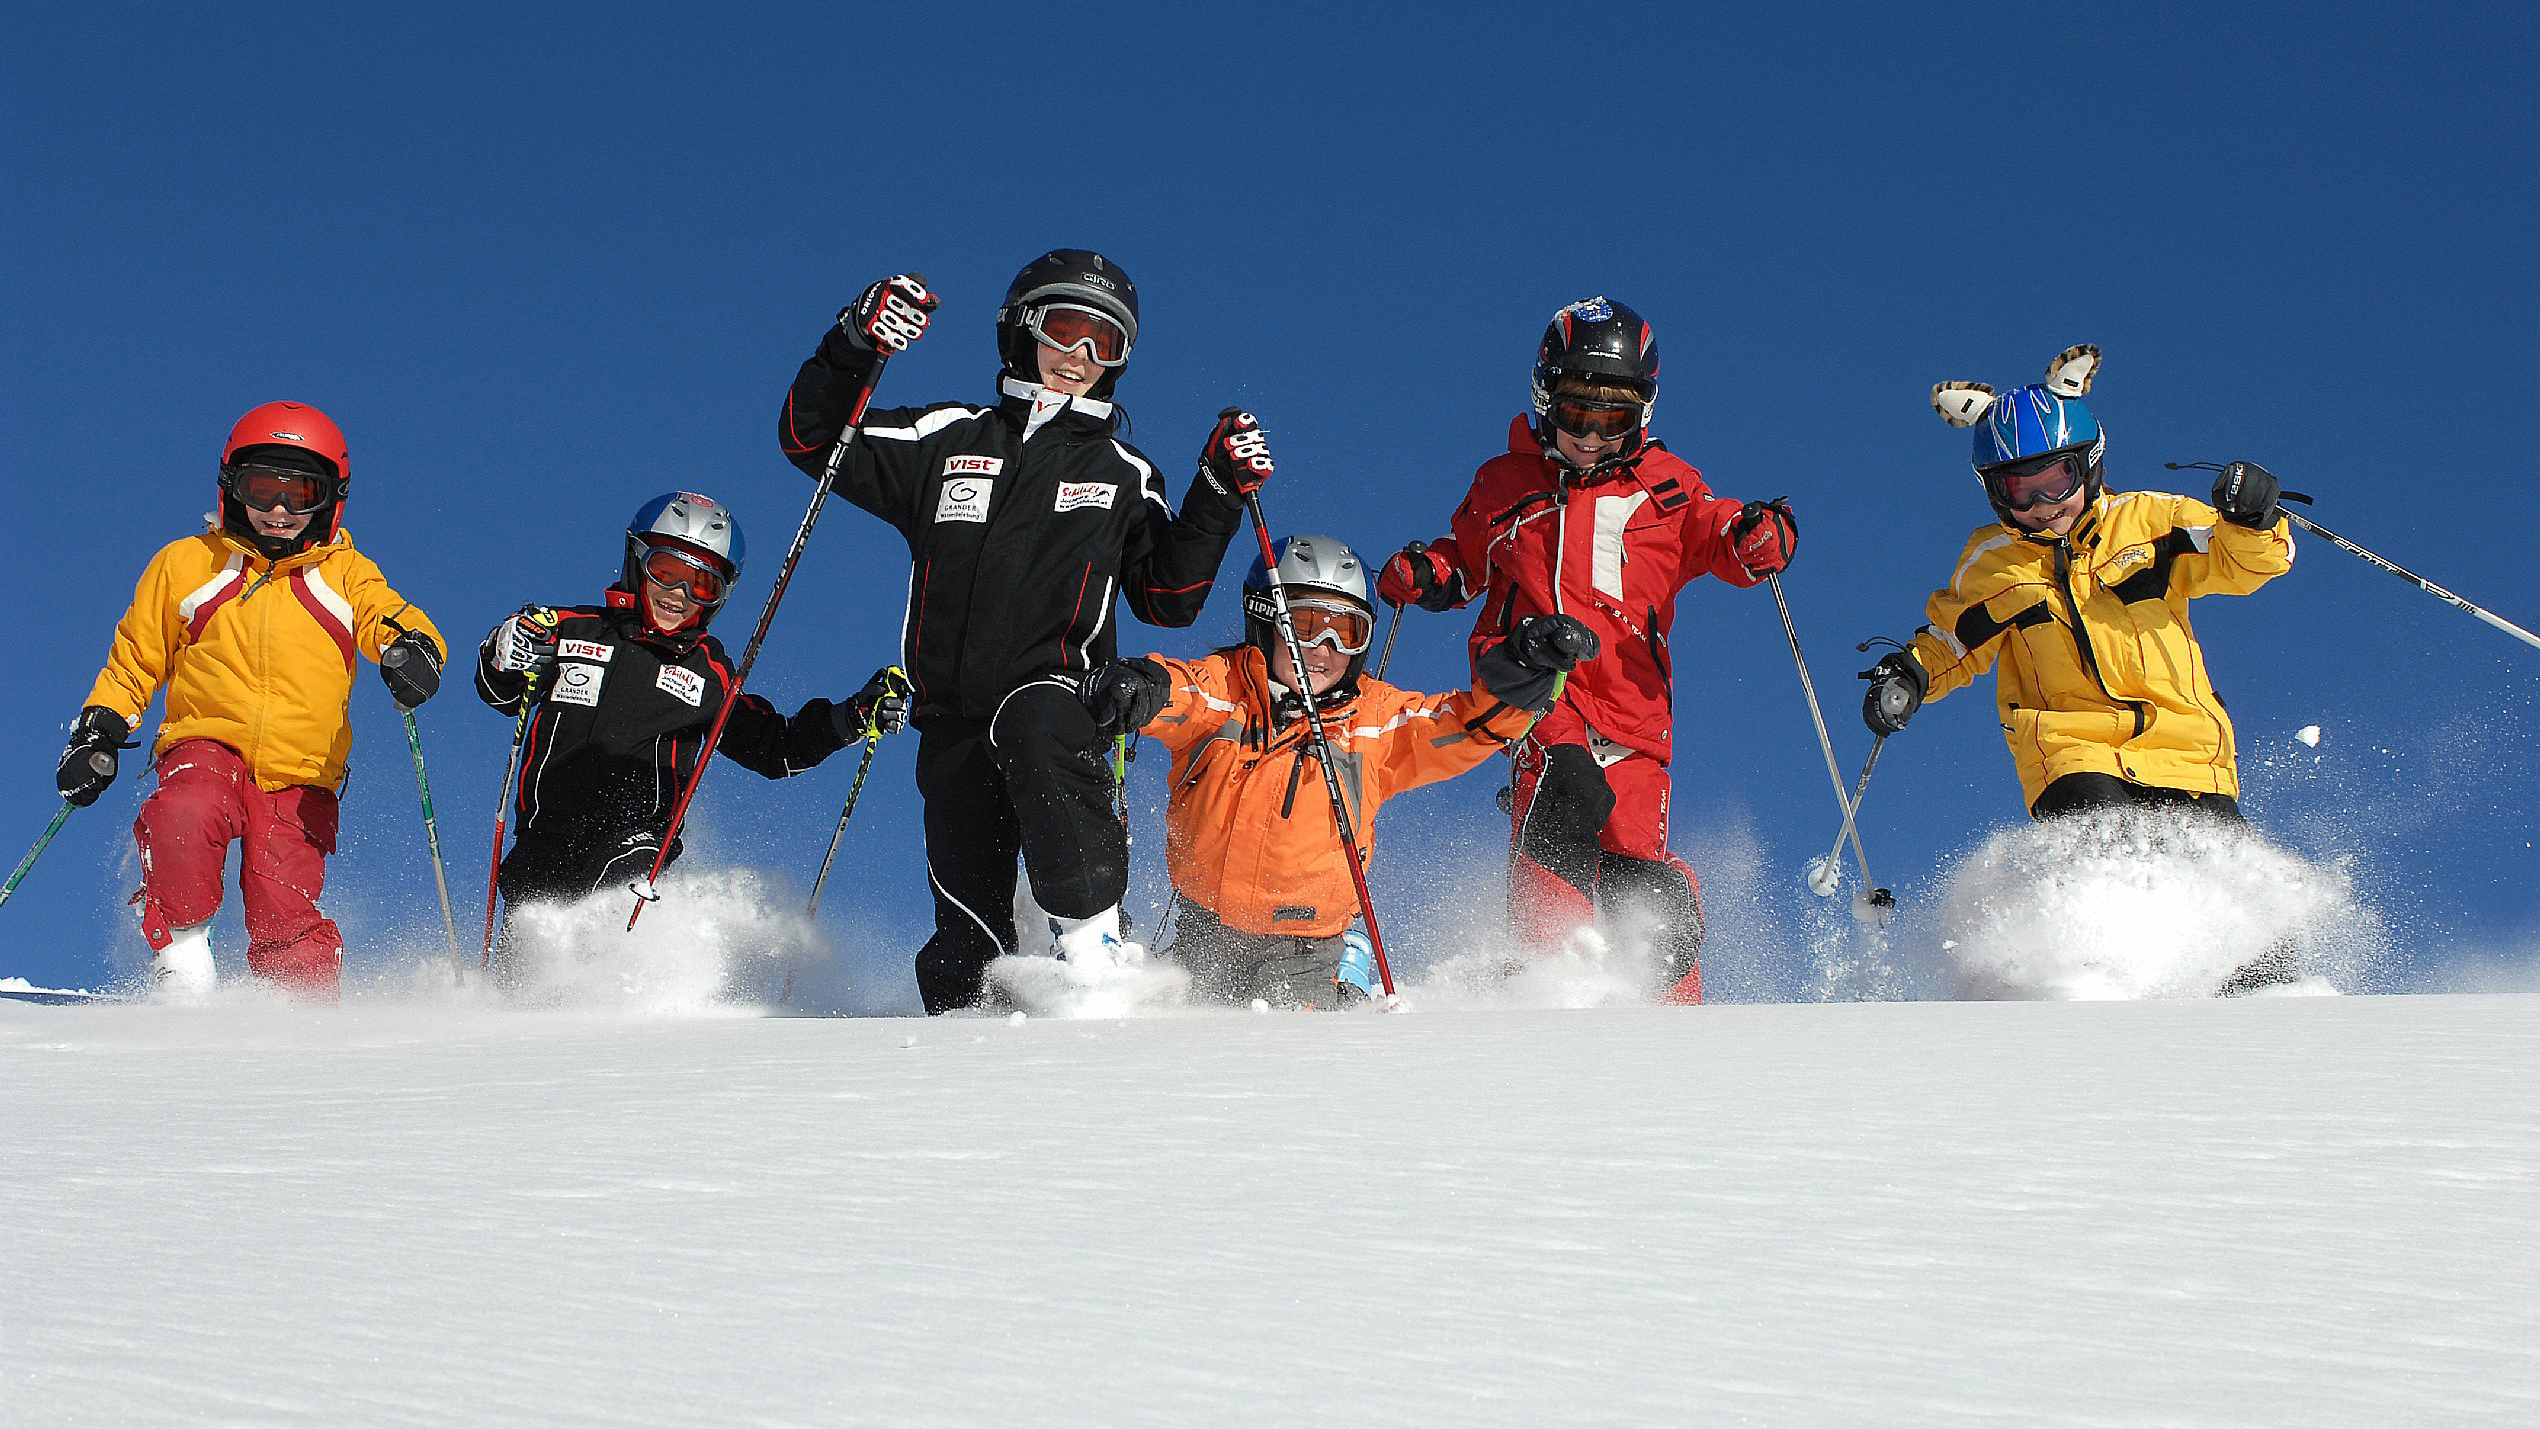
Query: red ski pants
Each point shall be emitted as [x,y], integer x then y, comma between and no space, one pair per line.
[205,801]
[1584,834]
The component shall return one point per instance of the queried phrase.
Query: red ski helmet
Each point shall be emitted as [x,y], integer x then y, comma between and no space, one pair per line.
[292,437]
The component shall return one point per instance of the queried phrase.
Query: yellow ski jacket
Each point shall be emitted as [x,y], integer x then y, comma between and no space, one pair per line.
[2100,670]
[253,653]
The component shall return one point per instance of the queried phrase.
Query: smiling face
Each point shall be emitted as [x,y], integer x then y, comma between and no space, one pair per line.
[1585,452]
[671,608]
[1323,665]
[2054,518]
[278,524]
[1073,372]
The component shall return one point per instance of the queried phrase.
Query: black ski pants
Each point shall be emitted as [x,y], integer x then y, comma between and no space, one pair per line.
[1033,781]
[2080,793]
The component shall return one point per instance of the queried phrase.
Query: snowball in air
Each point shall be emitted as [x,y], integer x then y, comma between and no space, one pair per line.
[2309,734]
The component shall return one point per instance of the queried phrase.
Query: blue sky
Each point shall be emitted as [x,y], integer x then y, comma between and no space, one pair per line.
[542,263]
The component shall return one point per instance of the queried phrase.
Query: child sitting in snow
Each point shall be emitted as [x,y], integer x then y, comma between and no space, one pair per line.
[1251,846]
[252,627]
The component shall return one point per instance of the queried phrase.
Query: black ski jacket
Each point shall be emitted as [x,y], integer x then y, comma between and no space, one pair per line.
[1023,520]
[619,724]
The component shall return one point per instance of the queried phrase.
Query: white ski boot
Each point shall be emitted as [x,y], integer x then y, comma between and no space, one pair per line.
[1093,944]
[182,972]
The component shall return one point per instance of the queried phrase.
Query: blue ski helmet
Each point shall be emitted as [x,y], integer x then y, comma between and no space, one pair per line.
[2030,422]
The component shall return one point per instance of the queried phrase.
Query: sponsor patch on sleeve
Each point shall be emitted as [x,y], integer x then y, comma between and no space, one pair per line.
[576,684]
[1073,495]
[964,498]
[586,650]
[686,685]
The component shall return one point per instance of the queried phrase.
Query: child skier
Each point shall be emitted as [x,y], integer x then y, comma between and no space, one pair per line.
[1588,515]
[625,691]
[252,627]
[1023,520]
[2081,595]
[1254,855]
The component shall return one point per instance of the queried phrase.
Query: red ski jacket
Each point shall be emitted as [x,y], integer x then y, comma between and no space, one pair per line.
[1532,538]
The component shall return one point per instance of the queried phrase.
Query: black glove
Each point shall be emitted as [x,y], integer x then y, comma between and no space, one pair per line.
[889,315]
[881,706]
[411,668]
[88,764]
[1553,642]
[1236,459]
[1125,694]
[1896,690]
[2246,495]
[525,644]
[1525,668]
[1764,537]
[1418,575]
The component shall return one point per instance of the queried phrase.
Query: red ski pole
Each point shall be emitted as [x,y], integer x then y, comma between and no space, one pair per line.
[645,892]
[1322,744]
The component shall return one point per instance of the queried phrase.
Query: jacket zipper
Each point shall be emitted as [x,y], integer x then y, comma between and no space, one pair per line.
[2081,635]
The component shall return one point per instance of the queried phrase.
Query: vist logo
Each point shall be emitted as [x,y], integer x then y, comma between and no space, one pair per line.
[586,650]
[685,685]
[578,684]
[973,465]
[965,499]
[1075,495]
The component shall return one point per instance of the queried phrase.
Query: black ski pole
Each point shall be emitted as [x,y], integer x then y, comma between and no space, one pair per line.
[59,817]
[503,809]
[896,682]
[1392,629]
[1322,742]
[646,892]
[431,825]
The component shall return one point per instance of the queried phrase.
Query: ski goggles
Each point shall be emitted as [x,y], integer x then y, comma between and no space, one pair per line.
[1341,627]
[2039,481]
[262,488]
[1594,421]
[1067,327]
[671,568]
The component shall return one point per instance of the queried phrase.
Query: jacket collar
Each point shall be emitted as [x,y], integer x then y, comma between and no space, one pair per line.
[230,541]
[1034,406]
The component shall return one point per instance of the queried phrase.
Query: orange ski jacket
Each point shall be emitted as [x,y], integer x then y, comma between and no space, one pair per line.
[1234,842]
[253,653]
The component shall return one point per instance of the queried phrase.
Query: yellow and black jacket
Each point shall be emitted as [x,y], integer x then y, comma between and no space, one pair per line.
[2100,670]
[254,653]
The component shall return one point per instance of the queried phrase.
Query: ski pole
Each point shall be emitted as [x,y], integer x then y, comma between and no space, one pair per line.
[2393,567]
[646,892]
[1824,873]
[431,825]
[895,682]
[1322,742]
[59,817]
[1825,741]
[432,832]
[1392,629]
[503,808]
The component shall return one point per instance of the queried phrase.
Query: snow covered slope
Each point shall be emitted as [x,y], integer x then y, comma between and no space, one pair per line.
[2296,1211]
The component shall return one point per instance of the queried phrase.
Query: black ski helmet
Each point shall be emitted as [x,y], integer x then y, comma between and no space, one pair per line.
[1602,341]
[1064,275]
[1310,568]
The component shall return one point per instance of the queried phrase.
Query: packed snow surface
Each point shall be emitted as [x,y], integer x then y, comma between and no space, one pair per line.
[426,1210]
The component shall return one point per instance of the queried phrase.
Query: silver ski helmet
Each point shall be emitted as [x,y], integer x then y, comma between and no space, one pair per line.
[695,534]
[1065,278]
[1326,585]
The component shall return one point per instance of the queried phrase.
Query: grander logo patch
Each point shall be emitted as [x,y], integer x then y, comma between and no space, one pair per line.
[965,498]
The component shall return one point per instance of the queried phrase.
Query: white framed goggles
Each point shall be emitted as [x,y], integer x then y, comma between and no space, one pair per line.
[1069,326]
[1335,624]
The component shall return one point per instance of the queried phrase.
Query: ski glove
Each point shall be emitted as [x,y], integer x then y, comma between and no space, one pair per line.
[88,765]
[1897,683]
[1764,537]
[525,644]
[1418,575]
[411,668]
[880,707]
[2246,495]
[1525,668]
[889,315]
[1236,459]
[1126,694]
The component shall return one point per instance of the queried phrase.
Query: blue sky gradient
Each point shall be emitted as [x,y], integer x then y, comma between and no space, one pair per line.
[544,262]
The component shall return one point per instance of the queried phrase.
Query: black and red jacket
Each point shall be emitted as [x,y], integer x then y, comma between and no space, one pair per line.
[619,724]
[1023,521]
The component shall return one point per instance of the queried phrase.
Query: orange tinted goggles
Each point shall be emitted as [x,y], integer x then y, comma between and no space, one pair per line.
[674,569]
[1067,327]
[1598,421]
